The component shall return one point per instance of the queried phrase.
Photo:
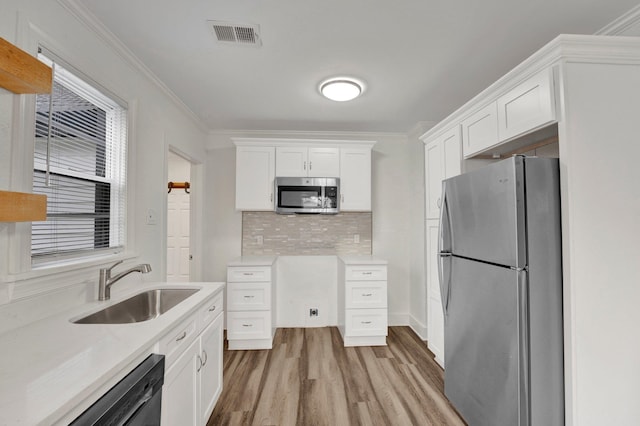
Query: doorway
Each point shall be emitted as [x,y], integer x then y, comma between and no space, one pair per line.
[178,221]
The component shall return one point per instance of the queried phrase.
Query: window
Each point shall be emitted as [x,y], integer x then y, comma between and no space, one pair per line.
[80,164]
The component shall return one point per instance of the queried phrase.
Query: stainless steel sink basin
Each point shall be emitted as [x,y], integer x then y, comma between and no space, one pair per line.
[141,307]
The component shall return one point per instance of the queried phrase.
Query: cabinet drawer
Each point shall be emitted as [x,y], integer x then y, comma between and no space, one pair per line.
[211,310]
[177,340]
[366,294]
[249,325]
[366,322]
[249,296]
[248,273]
[366,273]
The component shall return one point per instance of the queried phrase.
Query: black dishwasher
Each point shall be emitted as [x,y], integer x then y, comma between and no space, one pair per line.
[133,401]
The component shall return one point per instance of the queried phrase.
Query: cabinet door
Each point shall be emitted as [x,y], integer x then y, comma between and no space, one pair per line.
[355,179]
[435,324]
[434,174]
[180,402]
[210,377]
[255,167]
[528,106]
[291,161]
[480,131]
[324,162]
[452,153]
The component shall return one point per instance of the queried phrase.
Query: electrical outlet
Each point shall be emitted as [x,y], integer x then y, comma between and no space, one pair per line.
[313,312]
[356,238]
[259,240]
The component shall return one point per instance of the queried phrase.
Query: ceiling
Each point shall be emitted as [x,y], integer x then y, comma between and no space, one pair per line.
[420,59]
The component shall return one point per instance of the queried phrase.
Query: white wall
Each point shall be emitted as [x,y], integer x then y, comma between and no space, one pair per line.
[393,202]
[158,121]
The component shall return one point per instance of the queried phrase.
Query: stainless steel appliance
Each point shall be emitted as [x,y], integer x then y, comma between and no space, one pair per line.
[307,195]
[134,400]
[501,287]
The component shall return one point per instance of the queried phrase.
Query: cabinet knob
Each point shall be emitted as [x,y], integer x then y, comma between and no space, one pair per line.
[213,308]
[304,165]
[204,354]
[200,364]
[182,336]
[439,202]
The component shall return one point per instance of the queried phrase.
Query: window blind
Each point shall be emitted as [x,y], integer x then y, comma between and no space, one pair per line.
[80,164]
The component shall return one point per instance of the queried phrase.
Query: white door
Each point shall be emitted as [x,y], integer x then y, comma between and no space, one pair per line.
[291,161]
[355,179]
[178,222]
[324,162]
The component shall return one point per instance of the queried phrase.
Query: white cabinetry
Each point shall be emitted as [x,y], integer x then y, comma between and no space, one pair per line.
[255,167]
[480,130]
[251,310]
[442,160]
[528,106]
[307,161]
[259,160]
[435,322]
[193,357]
[362,301]
[355,179]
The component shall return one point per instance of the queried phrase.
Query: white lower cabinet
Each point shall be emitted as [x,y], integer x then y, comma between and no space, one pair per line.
[251,311]
[193,377]
[362,301]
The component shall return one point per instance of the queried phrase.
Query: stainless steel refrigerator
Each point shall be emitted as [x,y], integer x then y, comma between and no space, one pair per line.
[501,286]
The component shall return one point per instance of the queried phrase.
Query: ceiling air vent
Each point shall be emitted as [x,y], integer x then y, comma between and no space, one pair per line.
[238,34]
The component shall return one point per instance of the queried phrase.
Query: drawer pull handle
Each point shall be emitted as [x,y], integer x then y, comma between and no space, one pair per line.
[213,308]
[249,297]
[367,294]
[367,273]
[204,354]
[182,336]
[247,273]
[247,325]
[366,322]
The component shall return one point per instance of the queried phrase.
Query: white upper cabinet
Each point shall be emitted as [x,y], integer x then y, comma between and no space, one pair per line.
[528,106]
[442,160]
[311,162]
[480,130]
[355,179]
[260,160]
[255,167]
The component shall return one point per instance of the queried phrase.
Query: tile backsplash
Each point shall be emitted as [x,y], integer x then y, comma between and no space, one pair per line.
[268,233]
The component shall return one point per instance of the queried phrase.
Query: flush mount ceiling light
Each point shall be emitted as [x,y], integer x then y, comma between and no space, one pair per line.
[341,89]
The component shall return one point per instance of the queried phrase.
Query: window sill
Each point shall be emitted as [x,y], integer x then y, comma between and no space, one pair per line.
[48,278]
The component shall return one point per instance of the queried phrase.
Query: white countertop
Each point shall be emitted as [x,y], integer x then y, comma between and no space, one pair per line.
[49,367]
[362,260]
[253,261]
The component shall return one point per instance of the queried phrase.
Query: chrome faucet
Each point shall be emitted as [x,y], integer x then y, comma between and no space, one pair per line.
[106,280]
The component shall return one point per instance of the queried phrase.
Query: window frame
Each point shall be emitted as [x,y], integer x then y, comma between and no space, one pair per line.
[83,86]
[20,279]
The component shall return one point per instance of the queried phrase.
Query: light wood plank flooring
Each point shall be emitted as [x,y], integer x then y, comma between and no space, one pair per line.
[310,378]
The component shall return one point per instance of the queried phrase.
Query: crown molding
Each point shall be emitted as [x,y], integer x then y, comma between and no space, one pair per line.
[82,14]
[623,23]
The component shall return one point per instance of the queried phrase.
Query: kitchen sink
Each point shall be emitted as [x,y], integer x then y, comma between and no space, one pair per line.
[141,307]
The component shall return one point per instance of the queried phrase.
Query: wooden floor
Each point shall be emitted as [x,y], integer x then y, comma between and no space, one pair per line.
[310,378]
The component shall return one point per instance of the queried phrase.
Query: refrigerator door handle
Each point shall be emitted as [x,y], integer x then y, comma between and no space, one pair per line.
[445,221]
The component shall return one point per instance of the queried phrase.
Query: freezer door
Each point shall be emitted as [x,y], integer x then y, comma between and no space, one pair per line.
[486,344]
[486,214]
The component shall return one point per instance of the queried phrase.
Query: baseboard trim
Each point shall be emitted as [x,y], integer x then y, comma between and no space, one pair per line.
[419,328]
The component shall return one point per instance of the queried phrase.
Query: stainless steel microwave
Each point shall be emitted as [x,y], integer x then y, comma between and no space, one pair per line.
[318,195]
